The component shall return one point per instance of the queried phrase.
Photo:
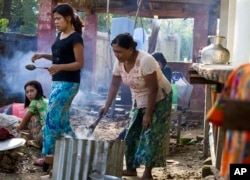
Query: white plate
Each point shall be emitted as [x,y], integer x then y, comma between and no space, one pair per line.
[11,143]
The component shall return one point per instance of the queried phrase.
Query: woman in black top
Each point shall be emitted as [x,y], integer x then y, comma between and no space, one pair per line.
[67,60]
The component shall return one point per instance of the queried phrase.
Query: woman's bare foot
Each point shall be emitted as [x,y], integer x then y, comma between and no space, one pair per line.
[129,172]
[39,162]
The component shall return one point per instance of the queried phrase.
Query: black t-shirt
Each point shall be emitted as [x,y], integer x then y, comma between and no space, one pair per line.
[167,72]
[62,53]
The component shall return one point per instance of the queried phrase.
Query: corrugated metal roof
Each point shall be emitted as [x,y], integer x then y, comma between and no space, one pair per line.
[76,159]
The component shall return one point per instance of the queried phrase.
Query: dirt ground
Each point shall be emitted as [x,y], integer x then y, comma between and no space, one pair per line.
[183,163]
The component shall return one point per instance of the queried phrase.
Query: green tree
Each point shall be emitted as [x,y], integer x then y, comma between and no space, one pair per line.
[183,27]
[104,23]
[5,6]
[1,8]
[4,14]
[16,19]
[29,25]
[4,24]
[20,15]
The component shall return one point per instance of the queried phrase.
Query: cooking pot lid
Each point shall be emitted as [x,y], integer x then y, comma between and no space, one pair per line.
[11,143]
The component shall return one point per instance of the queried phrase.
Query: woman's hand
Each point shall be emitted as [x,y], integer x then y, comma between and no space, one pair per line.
[19,128]
[39,56]
[55,68]
[146,121]
[102,111]
[35,57]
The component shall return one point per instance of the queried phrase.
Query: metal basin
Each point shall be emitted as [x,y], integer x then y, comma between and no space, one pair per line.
[95,176]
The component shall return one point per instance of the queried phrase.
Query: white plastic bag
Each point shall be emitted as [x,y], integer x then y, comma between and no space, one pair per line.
[184,89]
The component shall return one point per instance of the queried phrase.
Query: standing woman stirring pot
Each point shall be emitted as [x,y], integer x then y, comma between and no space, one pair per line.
[146,134]
[67,60]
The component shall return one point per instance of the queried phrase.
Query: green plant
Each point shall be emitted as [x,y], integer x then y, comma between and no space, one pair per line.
[4,24]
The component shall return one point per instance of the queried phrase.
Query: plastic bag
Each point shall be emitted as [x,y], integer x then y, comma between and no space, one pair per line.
[184,89]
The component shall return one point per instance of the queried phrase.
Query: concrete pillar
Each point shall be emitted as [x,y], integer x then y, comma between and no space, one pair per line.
[231,28]
[241,53]
[227,24]
[224,18]
[200,32]
[90,40]
[46,27]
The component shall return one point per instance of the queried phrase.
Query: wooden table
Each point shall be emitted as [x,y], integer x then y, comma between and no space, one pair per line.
[214,77]
[215,73]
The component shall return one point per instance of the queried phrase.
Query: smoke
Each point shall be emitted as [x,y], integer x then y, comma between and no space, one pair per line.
[14,75]
[91,91]
[83,132]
